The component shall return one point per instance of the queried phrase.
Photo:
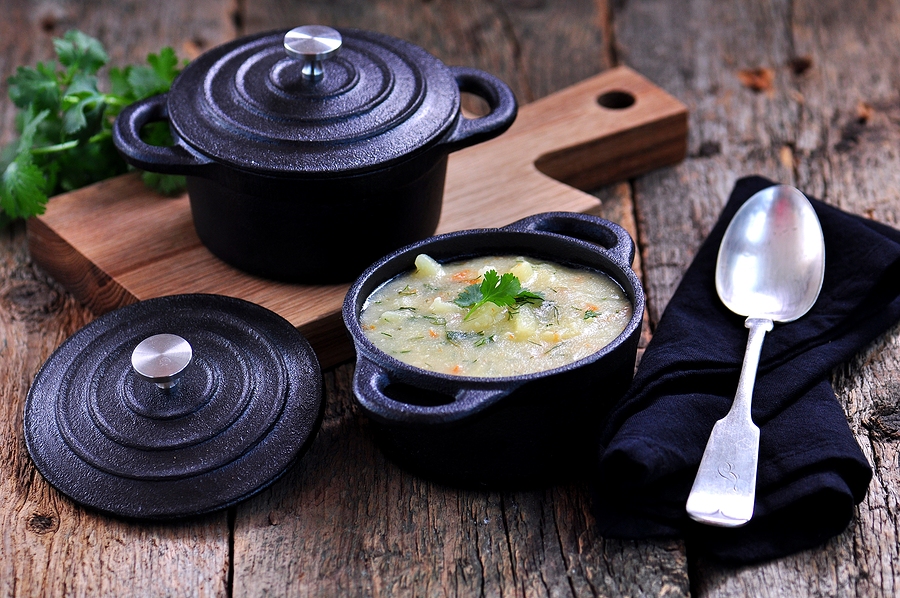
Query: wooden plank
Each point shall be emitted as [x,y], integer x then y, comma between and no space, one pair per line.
[50,546]
[828,124]
[148,248]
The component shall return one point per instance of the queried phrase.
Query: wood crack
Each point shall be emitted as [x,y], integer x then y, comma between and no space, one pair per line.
[509,546]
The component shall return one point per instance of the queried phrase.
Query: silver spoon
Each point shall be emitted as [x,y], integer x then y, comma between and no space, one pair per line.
[770,268]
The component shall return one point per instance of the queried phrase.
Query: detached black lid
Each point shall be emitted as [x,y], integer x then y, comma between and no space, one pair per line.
[314,101]
[174,406]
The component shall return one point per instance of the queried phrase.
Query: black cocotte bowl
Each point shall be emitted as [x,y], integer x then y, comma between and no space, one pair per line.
[310,153]
[515,431]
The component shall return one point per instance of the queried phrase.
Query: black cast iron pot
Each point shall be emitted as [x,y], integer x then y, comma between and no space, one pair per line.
[513,431]
[304,169]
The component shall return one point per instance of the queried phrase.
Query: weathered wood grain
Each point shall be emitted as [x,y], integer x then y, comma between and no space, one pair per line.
[535,46]
[48,545]
[846,150]
[826,120]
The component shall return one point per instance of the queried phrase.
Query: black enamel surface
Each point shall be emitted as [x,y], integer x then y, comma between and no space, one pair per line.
[328,233]
[245,409]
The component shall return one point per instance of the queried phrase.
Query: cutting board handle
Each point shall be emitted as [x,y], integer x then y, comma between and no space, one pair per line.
[609,128]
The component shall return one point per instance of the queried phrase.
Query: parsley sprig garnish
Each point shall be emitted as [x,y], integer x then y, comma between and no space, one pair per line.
[503,291]
[65,123]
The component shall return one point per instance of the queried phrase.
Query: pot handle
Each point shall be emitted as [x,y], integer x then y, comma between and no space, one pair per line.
[174,159]
[370,386]
[612,238]
[500,99]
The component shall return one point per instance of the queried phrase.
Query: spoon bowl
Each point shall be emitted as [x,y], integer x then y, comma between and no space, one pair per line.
[770,268]
[772,258]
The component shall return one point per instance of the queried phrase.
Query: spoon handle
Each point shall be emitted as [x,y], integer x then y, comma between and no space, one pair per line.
[725,487]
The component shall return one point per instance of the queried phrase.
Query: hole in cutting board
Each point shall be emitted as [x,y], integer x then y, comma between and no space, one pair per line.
[616,100]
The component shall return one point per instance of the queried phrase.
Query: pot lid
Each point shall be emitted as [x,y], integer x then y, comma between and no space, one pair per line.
[174,406]
[313,101]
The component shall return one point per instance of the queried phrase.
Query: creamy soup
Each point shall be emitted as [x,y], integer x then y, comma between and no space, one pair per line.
[438,317]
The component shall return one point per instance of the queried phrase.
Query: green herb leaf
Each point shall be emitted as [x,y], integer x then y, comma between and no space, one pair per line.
[80,52]
[144,82]
[529,297]
[22,188]
[435,319]
[84,116]
[166,184]
[165,65]
[37,87]
[66,122]
[469,296]
[150,80]
[22,184]
[485,340]
[502,291]
[118,82]
[82,85]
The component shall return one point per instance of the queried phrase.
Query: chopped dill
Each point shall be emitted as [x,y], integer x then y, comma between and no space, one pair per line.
[454,337]
[437,320]
[486,339]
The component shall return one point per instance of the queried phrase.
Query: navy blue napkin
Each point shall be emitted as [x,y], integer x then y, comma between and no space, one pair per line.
[812,472]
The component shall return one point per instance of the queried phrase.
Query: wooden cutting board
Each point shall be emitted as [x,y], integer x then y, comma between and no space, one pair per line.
[116,242]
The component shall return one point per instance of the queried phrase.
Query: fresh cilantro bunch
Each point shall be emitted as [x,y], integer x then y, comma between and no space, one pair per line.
[65,123]
[504,291]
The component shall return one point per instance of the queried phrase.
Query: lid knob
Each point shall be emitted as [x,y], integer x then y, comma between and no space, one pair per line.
[311,45]
[161,359]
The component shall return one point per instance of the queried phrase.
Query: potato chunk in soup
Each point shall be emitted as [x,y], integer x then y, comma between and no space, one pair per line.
[417,317]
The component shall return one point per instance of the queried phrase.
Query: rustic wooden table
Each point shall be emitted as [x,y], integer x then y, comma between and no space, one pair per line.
[804,91]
